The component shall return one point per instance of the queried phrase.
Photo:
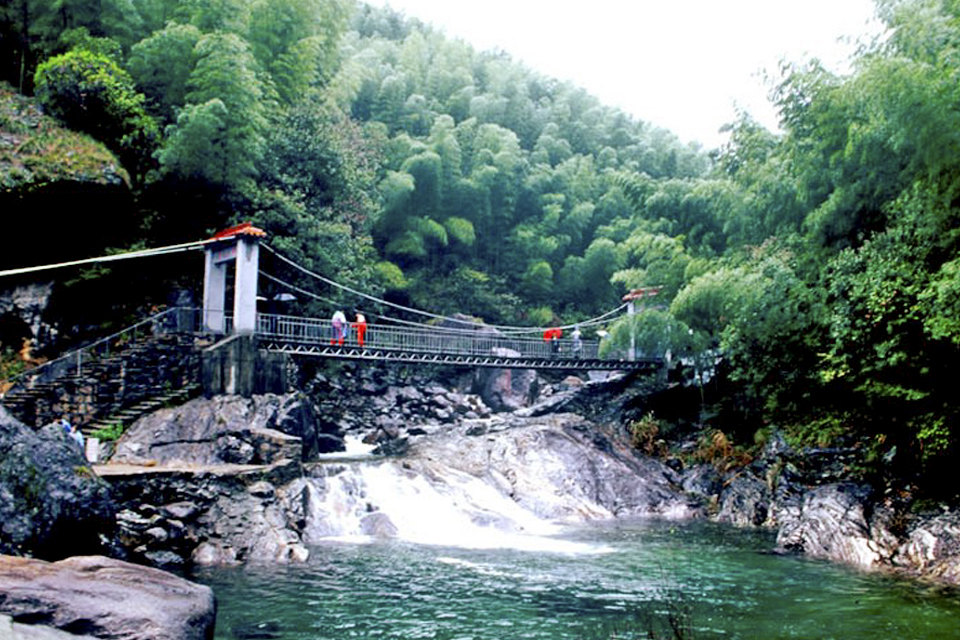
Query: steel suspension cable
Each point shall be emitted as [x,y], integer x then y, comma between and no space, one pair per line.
[410,323]
[344,287]
[143,253]
[294,287]
[506,328]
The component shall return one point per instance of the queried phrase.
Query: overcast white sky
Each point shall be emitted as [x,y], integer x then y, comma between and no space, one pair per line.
[684,65]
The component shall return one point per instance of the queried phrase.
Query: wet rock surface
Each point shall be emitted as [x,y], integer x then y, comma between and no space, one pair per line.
[833,522]
[808,498]
[233,480]
[487,480]
[175,518]
[932,546]
[224,429]
[104,598]
[559,466]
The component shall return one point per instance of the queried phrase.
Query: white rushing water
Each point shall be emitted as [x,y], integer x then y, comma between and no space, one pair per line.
[428,504]
[354,449]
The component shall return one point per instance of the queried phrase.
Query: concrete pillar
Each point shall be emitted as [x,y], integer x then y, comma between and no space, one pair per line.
[632,355]
[240,246]
[231,367]
[214,291]
[245,286]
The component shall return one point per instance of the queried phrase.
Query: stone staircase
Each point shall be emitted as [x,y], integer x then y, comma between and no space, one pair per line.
[134,379]
[23,402]
[128,415]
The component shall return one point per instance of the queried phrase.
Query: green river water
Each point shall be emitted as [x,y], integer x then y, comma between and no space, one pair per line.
[609,581]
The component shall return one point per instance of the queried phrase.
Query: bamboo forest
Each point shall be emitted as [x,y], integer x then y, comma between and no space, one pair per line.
[807,278]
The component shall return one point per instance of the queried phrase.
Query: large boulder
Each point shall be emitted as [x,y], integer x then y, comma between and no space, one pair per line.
[500,389]
[105,598]
[224,429]
[294,415]
[51,504]
[21,311]
[933,547]
[506,389]
[745,502]
[834,522]
[559,467]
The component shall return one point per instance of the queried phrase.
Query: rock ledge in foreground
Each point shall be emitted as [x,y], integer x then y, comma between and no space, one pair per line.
[105,598]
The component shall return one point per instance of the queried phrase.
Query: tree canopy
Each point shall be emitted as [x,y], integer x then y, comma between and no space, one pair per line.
[814,269]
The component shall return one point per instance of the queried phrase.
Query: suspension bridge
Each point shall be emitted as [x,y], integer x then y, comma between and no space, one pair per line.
[434,340]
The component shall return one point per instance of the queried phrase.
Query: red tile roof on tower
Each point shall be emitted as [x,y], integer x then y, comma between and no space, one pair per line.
[642,292]
[242,229]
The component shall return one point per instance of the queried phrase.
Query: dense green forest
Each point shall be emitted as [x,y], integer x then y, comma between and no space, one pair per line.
[818,265]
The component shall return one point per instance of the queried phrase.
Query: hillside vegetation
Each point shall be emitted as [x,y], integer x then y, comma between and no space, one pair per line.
[820,263]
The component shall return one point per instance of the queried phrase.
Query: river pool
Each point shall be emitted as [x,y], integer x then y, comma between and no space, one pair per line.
[615,580]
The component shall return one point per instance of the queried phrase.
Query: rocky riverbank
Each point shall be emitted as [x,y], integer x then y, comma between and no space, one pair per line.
[561,454]
[819,510]
[232,480]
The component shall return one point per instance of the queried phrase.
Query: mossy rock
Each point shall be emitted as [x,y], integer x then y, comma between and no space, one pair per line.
[35,150]
[52,504]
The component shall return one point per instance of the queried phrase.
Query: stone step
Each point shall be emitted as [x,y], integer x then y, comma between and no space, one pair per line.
[130,414]
[16,403]
[30,393]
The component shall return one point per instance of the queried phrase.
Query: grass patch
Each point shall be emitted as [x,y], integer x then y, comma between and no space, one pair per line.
[109,433]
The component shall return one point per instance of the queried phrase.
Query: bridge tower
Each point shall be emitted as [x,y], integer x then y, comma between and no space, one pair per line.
[238,245]
[630,298]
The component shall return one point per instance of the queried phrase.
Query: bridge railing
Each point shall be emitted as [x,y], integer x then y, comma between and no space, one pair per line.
[436,340]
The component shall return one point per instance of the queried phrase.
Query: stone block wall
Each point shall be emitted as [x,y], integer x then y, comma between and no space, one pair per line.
[139,372]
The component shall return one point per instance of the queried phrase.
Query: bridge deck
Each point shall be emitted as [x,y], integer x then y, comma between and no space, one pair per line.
[480,346]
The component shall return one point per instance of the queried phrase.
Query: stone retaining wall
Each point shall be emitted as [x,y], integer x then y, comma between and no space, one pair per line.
[139,372]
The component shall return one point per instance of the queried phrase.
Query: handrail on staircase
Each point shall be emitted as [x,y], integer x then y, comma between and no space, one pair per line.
[172,320]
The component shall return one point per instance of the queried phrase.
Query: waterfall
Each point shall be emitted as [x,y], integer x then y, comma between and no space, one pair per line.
[423,502]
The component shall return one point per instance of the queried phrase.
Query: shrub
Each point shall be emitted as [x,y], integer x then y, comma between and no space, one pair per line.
[819,432]
[11,364]
[108,434]
[644,436]
[89,92]
[717,449]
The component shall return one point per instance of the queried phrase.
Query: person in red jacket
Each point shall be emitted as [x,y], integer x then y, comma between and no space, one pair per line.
[360,324]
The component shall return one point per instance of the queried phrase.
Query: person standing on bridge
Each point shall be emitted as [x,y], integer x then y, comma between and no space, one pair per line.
[361,326]
[339,325]
[552,337]
[577,342]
